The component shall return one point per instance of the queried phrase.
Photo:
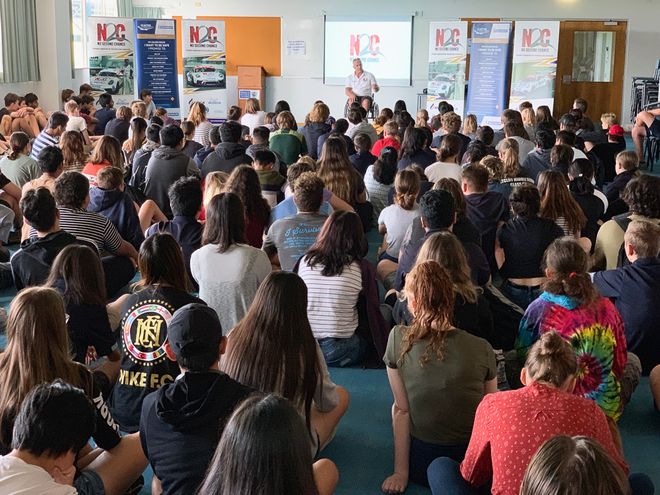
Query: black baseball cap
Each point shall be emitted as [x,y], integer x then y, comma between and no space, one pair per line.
[194,333]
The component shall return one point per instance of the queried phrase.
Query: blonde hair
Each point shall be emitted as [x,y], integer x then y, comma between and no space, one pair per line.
[197,113]
[70,106]
[528,116]
[470,124]
[422,118]
[644,237]
[429,290]
[139,109]
[510,149]
[124,113]
[108,149]
[551,360]
[307,160]
[451,122]
[406,186]
[285,120]
[320,113]
[628,160]
[391,128]
[445,249]
[609,119]
[252,105]
[494,166]
[214,185]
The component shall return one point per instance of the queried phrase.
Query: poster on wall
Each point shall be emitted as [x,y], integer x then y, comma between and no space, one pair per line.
[205,66]
[489,56]
[447,55]
[111,63]
[534,65]
[156,62]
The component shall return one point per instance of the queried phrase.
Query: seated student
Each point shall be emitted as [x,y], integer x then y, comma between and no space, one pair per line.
[415,149]
[451,124]
[244,182]
[147,362]
[31,264]
[626,168]
[14,118]
[538,159]
[520,244]
[38,351]
[316,125]
[512,173]
[270,179]
[191,147]
[607,152]
[73,149]
[484,141]
[362,157]
[186,203]
[76,122]
[571,305]
[18,166]
[637,286]
[339,129]
[198,126]
[580,175]
[267,438]
[260,137]
[516,131]
[642,196]
[32,101]
[447,164]
[438,375]
[394,220]
[390,138]
[107,152]
[181,423]
[289,238]
[385,115]
[568,138]
[167,164]
[88,113]
[109,199]
[142,156]
[438,213]
[379,179]
[510,426]
[227,269]
[471,310]
[72,197]
[336,274]
[120,125]
[50,136]
[214,140]
[229,153]
[134,143]
[104,114]
[52,427]
[486,209]
[287,142]
[147,97]
[77,274]
[214,184]
[357,120]
[272,349]
[646,123]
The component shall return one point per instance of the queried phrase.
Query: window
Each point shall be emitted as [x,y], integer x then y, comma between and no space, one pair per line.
[80,11]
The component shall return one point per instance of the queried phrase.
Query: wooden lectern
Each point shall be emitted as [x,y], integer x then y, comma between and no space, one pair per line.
[251,84]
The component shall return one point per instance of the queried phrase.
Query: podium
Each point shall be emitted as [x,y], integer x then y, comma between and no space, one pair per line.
[251,84]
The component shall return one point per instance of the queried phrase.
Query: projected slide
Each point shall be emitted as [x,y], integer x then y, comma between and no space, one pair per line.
[384,44]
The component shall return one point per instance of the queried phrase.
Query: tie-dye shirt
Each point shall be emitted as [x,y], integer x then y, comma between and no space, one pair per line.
[596,333]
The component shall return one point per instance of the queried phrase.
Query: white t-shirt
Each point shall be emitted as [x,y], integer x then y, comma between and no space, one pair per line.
[332,301]
[578,154]
[441,170]
[17,477]
[253,120]
[396,221]
[361,86]
[76,124]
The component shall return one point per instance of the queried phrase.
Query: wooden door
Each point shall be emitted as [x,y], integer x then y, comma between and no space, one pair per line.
[606,94]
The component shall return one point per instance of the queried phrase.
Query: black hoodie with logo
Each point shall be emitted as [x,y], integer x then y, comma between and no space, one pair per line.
[181,425]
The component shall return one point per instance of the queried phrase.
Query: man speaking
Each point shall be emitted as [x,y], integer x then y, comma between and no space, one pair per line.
[360,85]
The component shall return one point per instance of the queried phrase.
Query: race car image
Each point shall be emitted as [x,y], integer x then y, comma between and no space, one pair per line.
[205,75]
[108,80]
[442,85]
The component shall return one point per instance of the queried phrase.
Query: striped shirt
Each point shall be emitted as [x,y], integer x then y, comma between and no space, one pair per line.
[42,140]
[89,226]
[332,301]
[202,133]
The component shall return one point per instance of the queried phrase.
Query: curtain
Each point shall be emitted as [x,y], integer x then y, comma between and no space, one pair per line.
[20,54]
[125,8]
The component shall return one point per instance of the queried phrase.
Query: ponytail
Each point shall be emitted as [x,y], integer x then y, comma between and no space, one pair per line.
[18,141]
[568,263]
[581,171]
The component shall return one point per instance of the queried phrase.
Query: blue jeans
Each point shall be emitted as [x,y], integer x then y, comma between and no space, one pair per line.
[422,454]
[520,294]
[445,477]
[343,352]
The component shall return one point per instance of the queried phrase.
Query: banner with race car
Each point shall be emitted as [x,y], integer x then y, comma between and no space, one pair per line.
[156,62]
[489,60]
[110,48]
[447,55]
[534,67]
[205,66]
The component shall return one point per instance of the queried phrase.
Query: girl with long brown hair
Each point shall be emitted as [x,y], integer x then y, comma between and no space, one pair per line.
[338,174]
[137,138]
[107,153]
[244,182]
[73,149]
[197,116]
[254,115]
[438,375]
[448,160]
[272,349]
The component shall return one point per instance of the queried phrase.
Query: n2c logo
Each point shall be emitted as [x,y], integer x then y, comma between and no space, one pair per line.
[364,44]
[537,37]
[110,32]
[203,34]
[447,37]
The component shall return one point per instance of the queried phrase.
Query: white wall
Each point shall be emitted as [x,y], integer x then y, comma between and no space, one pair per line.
[306,15]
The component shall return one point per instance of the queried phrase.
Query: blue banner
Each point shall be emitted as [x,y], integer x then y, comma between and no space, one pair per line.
[489,69]
[156,62]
